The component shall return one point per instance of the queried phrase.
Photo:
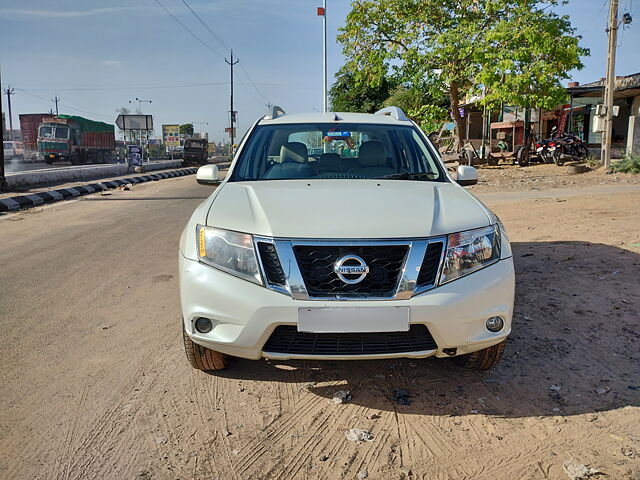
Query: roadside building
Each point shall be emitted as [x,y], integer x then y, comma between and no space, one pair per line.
[577,116]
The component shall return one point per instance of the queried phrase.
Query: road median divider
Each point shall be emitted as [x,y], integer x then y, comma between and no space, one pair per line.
[20,202]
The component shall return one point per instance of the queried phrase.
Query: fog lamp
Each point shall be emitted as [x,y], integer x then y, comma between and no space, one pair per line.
[203,325]
[495,324]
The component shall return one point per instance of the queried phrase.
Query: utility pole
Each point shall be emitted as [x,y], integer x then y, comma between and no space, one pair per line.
[56,100]
[232,112]
[607,135]
[9,92]
[3,180]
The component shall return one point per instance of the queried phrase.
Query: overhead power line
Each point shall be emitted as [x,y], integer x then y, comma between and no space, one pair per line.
[215,35]
[65,105]
[222,42]
[189,30]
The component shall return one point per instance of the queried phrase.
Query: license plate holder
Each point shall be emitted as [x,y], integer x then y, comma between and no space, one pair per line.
[353,319]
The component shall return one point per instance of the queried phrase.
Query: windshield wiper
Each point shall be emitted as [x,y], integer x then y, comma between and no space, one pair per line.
[409,176]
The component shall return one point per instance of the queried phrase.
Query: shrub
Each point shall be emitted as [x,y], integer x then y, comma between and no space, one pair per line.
[629,164]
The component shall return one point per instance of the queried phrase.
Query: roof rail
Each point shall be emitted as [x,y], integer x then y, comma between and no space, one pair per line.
[395,112]
[276,112]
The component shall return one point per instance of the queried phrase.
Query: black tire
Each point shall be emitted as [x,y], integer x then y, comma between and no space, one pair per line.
[557,158]
[522,157]
[482,359]
[202,358]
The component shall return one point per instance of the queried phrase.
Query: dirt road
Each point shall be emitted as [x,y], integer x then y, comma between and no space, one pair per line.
[95,385]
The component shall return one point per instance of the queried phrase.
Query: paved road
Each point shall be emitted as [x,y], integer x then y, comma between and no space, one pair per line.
[94,383]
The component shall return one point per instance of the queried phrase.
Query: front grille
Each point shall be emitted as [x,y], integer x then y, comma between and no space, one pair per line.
[286,339]
[317,263]
[272,267]
[430,264]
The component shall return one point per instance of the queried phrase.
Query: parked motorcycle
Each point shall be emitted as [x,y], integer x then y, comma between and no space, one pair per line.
[560,149]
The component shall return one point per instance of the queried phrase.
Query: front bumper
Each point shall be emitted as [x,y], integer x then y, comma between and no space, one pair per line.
[244,314]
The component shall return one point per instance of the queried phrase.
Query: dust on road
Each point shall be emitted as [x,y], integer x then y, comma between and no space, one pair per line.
[95,383]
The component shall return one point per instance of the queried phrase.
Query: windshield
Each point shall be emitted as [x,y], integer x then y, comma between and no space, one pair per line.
[62,132]
[196,145]
[330,150]
[46,132]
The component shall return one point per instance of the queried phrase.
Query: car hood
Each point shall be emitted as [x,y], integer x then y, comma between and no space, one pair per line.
[346,208]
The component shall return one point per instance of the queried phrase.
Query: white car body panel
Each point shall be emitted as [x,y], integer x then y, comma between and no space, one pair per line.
[346,209]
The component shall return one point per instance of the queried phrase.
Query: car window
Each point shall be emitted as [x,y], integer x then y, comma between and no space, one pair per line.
[330,150]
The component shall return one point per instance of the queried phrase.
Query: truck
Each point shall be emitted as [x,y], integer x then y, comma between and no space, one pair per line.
[76,139]
[196,151]
[29,123]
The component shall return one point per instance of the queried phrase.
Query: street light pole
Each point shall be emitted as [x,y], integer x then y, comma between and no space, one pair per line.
[607,135]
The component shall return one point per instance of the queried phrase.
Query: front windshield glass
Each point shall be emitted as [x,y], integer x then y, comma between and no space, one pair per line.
[196,145]
[336,150]
[46,132]
[62,132]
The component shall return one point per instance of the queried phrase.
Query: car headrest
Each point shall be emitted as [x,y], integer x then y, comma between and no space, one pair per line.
[294,152]
[329,161]
[372,154]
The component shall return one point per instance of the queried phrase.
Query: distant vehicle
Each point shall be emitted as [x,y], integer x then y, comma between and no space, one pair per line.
[175,152]
[77,139]
[196,151]
[13,151]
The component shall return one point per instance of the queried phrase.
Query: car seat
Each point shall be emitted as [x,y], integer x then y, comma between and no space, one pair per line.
[294,163]
[372,161]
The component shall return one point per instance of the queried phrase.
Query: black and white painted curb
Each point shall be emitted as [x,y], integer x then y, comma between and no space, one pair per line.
[35,199]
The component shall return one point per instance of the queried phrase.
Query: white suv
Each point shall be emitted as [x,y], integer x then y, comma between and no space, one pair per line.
[342,236]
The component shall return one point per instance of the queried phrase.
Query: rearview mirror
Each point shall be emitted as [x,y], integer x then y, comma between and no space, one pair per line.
[208,175]
[467,175]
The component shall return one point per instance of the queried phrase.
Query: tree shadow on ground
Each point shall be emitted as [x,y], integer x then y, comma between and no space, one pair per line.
[573,350]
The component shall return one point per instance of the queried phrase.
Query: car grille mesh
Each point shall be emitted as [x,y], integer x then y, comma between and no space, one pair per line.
[317,263]
[430,264]
[271,264]
[287,340]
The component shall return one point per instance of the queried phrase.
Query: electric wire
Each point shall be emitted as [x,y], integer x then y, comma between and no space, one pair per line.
[215,35]
[189,30]
[222,42]
[64,105]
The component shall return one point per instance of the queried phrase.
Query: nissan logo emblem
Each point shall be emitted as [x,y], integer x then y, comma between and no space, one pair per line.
[351,265]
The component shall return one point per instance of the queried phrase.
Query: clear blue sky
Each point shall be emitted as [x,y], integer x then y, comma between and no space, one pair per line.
[125,49]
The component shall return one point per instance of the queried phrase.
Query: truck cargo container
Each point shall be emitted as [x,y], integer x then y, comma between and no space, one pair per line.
[78,139]
[29,123]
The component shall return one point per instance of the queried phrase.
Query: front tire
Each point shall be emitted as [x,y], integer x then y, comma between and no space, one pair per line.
[482,359]
[202,358]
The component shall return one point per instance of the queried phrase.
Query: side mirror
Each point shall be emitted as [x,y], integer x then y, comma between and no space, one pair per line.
[208,175]
[467,175]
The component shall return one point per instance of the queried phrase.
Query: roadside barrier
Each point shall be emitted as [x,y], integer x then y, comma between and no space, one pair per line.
[20,202]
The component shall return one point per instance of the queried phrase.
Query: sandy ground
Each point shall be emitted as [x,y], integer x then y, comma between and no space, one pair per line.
[95,385]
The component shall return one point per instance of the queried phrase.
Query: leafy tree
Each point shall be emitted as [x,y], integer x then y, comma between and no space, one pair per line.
[347,95]
[516,51]
[422,108]
[186,129]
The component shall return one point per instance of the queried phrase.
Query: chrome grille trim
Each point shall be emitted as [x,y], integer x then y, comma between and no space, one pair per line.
[295,285]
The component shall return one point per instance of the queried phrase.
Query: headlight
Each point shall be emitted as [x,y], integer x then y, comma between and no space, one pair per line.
[231,252]
[470,251]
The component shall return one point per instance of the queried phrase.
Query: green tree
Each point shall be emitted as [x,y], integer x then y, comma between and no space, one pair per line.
[186,129]
[347,95]
[428,112]
[516,51]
